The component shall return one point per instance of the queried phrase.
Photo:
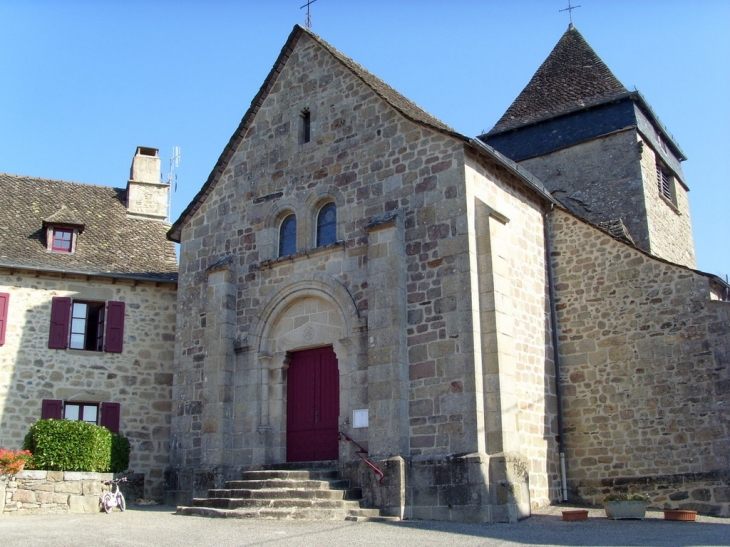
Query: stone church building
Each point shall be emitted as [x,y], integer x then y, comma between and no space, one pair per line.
[502,322]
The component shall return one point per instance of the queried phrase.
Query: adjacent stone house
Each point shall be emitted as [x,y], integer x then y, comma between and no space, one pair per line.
[496,340]
[87,309]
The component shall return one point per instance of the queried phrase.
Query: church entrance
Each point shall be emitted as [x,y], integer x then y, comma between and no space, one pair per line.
[312,406]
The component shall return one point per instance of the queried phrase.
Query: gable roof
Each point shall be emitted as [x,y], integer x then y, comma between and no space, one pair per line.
[64,216]
[571,77]
[110,245]
[403,105]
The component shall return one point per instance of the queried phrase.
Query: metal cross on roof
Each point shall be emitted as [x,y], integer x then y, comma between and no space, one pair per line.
[569,9]
[308,20]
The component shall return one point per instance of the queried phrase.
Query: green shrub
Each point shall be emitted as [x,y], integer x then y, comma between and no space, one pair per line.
[66,445]
[120,454]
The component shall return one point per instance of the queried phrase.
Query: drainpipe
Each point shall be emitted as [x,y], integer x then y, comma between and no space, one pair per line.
[556,356]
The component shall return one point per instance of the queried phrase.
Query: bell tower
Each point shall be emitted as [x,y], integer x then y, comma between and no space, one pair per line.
[600,150]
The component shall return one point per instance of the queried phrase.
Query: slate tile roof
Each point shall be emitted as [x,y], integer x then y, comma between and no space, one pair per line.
[571,77]
[617,229]
[109,244]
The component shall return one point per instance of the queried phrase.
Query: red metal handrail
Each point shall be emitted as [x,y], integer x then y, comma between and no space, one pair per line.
[360,453]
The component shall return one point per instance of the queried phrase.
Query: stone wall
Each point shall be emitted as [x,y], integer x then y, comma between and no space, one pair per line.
[668,221]
[44,492]
[645,372]
[515,345]
[591,181]
[139,378]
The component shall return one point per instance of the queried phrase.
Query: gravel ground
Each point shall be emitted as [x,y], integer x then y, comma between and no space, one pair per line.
[160,527]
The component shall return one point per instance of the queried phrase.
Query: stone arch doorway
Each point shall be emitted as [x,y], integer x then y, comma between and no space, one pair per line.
[312,405]
[313,312]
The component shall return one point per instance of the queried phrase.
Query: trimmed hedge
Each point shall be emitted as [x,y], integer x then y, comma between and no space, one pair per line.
[120,454]
[67,445]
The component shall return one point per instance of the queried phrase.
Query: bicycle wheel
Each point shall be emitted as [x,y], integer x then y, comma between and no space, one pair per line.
[120,501]
[106,502]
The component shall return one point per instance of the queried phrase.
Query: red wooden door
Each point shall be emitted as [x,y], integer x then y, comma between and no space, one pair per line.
[313,406]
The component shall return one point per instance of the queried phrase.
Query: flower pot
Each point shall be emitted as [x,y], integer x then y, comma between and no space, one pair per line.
[625,509]
[680,514]
[576,514]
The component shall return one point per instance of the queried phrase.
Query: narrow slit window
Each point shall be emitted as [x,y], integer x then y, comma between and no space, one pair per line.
[306,126]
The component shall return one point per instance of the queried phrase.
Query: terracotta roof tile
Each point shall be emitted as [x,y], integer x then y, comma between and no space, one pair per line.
[111,243]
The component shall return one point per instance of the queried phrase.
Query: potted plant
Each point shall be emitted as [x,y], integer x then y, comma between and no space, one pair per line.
[680,514]
[625,506]
[12,461]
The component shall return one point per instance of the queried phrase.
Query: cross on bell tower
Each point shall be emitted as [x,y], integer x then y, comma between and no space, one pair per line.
[569,9]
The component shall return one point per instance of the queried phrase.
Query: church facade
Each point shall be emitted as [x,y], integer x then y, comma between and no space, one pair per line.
[355,272]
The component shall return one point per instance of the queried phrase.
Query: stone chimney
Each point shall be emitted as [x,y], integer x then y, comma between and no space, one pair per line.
[147,197]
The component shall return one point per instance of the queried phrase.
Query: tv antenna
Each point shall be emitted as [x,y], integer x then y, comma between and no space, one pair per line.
[570,9]
[308,19]
[172,177]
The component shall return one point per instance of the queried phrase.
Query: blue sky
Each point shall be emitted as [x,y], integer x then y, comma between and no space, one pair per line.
[85,82]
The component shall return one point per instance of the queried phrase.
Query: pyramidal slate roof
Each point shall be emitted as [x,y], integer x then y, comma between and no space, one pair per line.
[110,244]
[571,77]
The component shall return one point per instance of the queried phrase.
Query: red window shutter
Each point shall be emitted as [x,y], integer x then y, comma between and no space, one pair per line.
[60,317]
[110,413]
[114,336]
[4,301]
[51,409]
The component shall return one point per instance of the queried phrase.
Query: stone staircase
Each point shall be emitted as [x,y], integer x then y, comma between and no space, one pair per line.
[316,494]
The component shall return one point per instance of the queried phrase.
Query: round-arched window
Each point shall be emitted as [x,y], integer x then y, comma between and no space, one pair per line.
[327,225]
[288,236]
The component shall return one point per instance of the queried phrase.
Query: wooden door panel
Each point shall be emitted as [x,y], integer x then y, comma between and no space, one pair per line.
[313,406]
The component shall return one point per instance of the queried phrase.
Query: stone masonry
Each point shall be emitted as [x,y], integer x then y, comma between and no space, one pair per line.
[645,373]
[140,378]
[44,492]
[434,299]
[592,182]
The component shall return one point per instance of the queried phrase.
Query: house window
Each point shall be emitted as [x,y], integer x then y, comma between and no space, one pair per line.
[81,412]
[665,183]
[327,225]
[83,325]
[62,240]
[306,131]
[288,236]
[104,414]
[87,326]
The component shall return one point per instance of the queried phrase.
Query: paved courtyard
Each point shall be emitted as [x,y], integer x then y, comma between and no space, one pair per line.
[160,527]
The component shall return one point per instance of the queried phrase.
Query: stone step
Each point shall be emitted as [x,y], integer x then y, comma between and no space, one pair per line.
[283,503]
[287,483]
[310,490]
[268,513]
[298,466]
[276,493]
[368,515]
[299,474]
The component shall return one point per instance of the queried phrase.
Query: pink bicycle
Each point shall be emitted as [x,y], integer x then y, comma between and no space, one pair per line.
[115,498]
